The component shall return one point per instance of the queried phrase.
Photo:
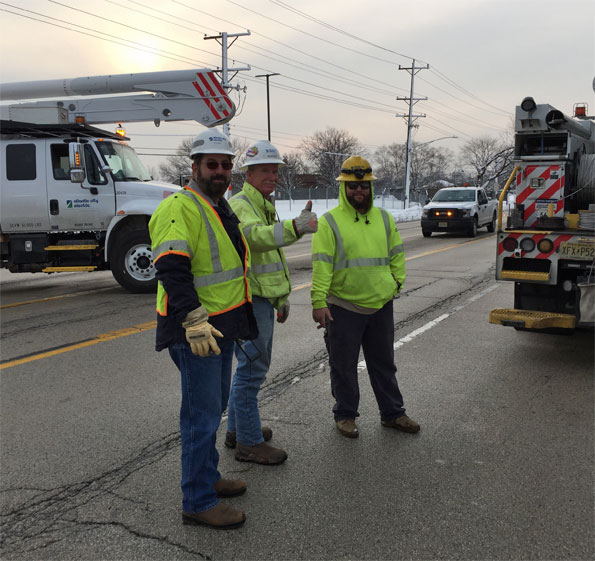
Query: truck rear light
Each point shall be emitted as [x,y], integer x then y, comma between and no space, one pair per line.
[545,245]
[510,244]
[527,244]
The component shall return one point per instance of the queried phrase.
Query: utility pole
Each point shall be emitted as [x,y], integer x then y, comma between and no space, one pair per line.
[267,76]
[411,118]
[225,82]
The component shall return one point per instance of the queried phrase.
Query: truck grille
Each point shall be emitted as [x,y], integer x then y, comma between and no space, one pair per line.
[445,213]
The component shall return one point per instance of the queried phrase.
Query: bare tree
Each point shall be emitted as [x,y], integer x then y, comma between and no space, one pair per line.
[289,174]
[391,167]
[326,150]
[489,157]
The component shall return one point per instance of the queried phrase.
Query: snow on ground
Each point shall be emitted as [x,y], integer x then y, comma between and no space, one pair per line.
[290,209]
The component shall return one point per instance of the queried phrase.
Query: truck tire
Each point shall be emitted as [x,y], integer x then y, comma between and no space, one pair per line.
[492,224]
[131,261]
[472,232]
[426,233]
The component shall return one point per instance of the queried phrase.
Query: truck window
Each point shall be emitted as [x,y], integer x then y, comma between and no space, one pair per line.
[20,162]
[94,175]
[481,197]
[60,166]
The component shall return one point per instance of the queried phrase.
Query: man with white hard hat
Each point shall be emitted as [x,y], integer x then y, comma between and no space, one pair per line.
[269,280]
[202,261]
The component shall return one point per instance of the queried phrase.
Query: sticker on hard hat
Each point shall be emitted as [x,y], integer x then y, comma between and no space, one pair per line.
[217,139]
[252,151]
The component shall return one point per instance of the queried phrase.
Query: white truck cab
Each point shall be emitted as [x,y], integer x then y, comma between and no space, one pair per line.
[77,198]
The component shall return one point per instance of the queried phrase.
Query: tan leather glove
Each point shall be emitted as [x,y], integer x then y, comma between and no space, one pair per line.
[283,312]
[306,222]
[199,333]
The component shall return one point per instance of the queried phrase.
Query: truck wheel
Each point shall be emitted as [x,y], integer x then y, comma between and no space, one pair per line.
[426,234]
[131,261]
[492,224]
[472,232]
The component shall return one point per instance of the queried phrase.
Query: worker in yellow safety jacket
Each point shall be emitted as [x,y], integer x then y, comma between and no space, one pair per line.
[269,280]
[202,262]
[358,268]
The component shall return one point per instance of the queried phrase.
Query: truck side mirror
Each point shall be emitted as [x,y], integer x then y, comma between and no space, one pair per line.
[75,161]
[428,201]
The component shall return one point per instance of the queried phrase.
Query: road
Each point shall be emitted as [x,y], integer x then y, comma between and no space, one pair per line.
[502,468]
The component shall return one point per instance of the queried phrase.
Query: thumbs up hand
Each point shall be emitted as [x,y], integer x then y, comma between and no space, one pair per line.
[306,222]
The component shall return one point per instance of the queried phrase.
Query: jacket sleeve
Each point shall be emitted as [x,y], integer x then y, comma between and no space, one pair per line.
[323,258]
[173,250]
[259,235]
[396,254]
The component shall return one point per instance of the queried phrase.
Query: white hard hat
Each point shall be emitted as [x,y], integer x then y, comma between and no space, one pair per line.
[261,152]
[211,141]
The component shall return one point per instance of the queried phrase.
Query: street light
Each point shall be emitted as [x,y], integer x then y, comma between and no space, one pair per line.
[408,167]
[267,76]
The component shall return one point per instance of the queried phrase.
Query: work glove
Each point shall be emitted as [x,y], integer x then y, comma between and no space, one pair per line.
[283,312]
[199,333]
[306,222]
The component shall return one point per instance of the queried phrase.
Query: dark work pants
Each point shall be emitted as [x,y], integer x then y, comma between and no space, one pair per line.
[374,333]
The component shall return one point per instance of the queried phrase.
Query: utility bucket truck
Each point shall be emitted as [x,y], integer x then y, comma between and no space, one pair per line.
[547,247]
[77,198]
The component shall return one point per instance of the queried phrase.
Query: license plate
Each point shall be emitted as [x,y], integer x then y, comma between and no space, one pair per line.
[442,224]
[577,250]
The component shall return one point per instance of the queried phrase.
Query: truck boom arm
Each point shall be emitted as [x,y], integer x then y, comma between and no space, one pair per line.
[177,95]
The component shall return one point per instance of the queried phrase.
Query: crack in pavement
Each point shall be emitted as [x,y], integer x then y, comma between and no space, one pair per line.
[46,518]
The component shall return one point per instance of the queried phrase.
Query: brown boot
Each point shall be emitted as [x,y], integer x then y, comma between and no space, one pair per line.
[230,487]
[230,437]
[348,428]
[221,517]
[262,453]
[402,423]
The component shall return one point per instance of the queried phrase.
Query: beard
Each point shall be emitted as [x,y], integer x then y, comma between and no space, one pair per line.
[214,186]
[361,206]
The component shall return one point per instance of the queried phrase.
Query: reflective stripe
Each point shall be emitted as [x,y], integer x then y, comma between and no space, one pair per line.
[172,245]
[322,257]
[366,262]
[246,231]
[341,257]
[219,277]
[213,245]
[395,250]
[267,268]
[386,227]
[279,237]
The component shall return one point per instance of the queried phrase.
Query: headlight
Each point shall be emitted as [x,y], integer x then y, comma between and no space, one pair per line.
[465,212]
[424,213]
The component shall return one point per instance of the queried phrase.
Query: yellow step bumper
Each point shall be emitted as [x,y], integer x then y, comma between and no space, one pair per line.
[530,319]
[68,269]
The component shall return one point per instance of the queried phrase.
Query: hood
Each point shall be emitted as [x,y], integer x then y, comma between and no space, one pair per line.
[145,189]
[449,204]
[346,205]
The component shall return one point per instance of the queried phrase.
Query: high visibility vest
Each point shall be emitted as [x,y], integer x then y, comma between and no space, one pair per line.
[186,224]
[358,261]
[269,274]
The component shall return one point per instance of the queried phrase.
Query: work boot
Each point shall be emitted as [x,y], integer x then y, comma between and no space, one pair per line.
[230,487]
[348,428]
[402,423]
[230,437]
[262,453]
[221,517]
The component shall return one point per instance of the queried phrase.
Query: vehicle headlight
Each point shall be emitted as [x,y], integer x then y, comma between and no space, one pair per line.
[466,212]
[424,213]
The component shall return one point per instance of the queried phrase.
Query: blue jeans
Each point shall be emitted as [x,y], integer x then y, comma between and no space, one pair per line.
[205,391]
[254,359]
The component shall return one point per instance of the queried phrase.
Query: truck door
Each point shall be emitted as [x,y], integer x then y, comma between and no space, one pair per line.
[484,209]
[73,206]
[23,196]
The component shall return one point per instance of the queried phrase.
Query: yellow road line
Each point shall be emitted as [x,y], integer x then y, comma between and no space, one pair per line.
[99,339]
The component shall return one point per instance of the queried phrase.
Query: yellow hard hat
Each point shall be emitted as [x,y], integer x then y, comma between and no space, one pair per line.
[356,168]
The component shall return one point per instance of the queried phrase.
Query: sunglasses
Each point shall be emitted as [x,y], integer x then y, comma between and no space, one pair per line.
[211,164]
[353,185]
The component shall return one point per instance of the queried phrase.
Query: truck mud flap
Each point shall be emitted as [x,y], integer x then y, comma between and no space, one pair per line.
[530,319]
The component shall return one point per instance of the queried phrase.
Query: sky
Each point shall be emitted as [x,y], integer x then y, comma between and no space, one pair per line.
[340,64]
